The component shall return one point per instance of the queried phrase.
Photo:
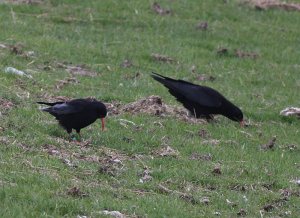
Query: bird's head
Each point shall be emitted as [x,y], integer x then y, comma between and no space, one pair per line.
[236,114]
[101,112]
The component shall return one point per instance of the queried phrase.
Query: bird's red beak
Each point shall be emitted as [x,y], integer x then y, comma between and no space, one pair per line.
[242,123]
[103,124]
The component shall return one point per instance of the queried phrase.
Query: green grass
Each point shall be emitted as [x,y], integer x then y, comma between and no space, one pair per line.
[101,35]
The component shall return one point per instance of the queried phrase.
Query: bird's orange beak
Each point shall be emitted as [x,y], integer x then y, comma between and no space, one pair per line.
[103,124]
[242,123]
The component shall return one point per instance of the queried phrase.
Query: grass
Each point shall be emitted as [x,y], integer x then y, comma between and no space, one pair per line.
[35,182]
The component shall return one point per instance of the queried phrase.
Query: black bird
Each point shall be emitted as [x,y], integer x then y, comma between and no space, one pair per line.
[201,101]
[77,113]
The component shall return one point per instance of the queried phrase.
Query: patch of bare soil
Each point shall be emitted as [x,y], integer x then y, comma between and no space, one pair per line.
[76,192]
[163,58]
[126,63]
[245,54]
[290,147]
[30,2]
[240,187]
[204,77]
[273,4]
[211,142]
[5,140]
[80,70]
[145,175]
[184,196]
[132,76]
[204,134]
[159,10]
[274,204]
[231,203]
[166,151]
[111,162]
[69,80]
[269,145]
[152,105]
[242,212]
[202,26]
[63,154]
[217,170]
[115,214]
[222,51]
[5,105]
[18,49]
[289,192]
[201,76]
[204,157]
[49,98]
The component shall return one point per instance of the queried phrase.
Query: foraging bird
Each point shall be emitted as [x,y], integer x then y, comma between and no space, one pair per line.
[201,101]
[77,114]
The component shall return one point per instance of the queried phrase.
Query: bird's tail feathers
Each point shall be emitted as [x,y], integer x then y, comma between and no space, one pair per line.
[166,81]
[49,104]
[158,77]
[47,109]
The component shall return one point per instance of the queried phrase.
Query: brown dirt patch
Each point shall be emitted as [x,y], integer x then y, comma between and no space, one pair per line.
[245,54]
[152,105]
[223,51]
[163,58]
[69,80]
[166,151]
[159,10]
[80,70]
[242,212]
[5,105]
[126,63]
[217,170]
[5,140]
[30,2]
[277,203]
[145,176]
[270,144]
[50,98]
[273,4]
[184,196]
[202,25]
[76,192]
[204,134]
[111,162]
[18,49]
[204,77]
[204,157]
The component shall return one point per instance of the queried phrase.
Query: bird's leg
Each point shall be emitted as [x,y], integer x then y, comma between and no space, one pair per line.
[71,136]
[78,132]
[209,118]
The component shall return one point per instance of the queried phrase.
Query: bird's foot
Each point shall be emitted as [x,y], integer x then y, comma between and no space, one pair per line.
[73,138]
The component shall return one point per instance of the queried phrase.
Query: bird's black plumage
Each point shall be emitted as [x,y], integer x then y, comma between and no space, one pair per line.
[76,114]
[201,101]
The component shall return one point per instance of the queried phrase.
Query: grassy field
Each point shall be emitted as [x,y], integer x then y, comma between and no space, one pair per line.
[212,169]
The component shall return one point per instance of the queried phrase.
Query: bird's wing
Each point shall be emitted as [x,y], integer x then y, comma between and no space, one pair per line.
[186,91]
[64,108]
[50,104]
[196,94]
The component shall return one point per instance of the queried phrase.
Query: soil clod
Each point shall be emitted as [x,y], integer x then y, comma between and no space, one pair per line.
[159,10]
[76,192]
[163,58]
[269,145]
